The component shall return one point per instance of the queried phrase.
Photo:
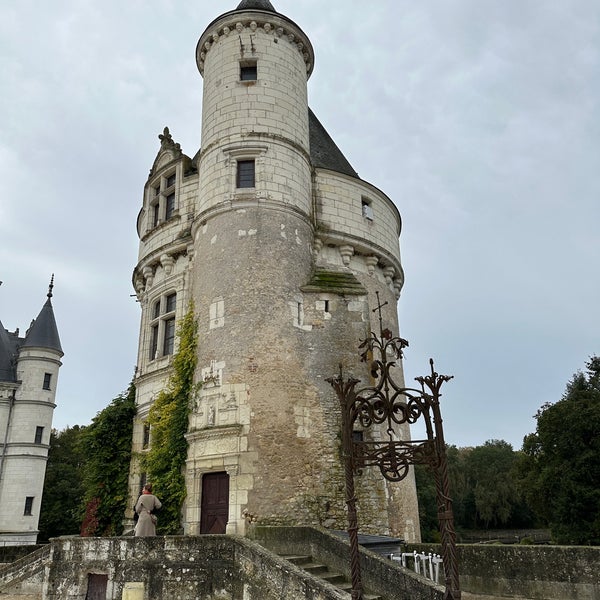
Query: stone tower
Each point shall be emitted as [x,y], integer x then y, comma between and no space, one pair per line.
[28,377]
[281,247]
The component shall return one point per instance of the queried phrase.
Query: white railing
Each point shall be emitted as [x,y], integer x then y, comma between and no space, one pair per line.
[427,565]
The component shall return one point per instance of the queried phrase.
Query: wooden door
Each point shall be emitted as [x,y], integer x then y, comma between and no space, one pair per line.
[214,509]
[96,589]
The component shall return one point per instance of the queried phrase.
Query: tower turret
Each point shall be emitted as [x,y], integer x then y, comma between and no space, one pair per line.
[28,376]
[282,248]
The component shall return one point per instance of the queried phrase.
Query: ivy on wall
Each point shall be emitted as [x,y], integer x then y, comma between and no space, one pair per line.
[168,419]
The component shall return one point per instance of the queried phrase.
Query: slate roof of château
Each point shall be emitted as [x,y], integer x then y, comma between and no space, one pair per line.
[8,350]
[324,153]
[43,333]
[256,5]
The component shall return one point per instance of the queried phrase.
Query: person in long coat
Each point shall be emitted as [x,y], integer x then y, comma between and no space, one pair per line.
[147,503]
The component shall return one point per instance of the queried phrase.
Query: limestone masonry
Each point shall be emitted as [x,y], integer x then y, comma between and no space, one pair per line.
[28,376]
[281,247]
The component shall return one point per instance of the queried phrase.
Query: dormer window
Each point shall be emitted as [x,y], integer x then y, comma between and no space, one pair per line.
[162,200]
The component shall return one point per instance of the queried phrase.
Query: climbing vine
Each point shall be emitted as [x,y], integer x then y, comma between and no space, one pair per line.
[168,419]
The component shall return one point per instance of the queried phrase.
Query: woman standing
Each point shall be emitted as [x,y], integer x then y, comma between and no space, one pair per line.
[146,504]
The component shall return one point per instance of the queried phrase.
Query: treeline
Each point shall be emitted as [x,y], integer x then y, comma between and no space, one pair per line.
[553,481]
[85,490]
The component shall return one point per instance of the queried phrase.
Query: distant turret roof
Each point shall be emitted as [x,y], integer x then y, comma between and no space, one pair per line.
[43,333]
[324,153]
[7,370]
[256,5]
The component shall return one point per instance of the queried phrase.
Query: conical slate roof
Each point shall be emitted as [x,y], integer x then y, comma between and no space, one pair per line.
[43,333]
[7,372]
[256,5]
[324,153]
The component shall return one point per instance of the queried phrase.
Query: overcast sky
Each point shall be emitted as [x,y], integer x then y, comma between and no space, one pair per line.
[479,118]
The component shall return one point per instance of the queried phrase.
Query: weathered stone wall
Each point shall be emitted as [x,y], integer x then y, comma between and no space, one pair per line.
[379,575]
[544,572]
[186,568]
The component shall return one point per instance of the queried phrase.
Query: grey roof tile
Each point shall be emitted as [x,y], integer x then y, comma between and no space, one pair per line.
[256,5]
[324,153]
[43,333]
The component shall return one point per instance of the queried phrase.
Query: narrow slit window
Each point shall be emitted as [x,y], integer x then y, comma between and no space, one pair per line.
[146,436]
[155,214]
[39,432]
[47,381]
[245,174]
[367,209]
[153,342]
[28,506]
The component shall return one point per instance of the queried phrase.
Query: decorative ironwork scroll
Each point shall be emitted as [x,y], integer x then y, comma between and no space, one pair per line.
[388,405]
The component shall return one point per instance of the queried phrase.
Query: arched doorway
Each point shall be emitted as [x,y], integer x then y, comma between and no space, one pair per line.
[214,507]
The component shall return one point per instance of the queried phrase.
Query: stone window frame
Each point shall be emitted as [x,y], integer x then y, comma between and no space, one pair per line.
[235,154]
[367,208]
[248,71]
[28,508]
[162,196]
[39,434]
[162,325]
[47,381]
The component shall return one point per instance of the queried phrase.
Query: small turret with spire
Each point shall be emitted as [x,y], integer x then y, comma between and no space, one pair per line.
[28,376]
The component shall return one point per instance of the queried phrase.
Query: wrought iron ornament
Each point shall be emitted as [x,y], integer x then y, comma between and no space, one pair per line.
[387,404]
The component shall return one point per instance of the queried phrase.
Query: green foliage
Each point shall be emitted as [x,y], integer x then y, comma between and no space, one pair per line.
[106,445]
[63,488]
[168,419]
[483,490]
[427,504]
[560,468]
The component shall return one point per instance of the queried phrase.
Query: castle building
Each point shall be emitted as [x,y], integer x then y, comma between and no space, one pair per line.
[28,376]
[281,247]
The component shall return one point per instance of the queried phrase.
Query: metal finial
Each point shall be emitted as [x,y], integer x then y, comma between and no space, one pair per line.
[51,286]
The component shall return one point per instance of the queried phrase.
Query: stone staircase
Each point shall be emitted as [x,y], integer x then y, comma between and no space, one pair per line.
[323,572]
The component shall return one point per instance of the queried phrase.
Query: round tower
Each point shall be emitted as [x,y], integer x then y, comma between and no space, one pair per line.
[283,250]
[278,304]
[27,398]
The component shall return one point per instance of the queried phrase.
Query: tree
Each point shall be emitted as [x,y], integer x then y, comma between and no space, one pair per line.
[483,488]
[560,470]
[63,490]
[492,478]
[106,444]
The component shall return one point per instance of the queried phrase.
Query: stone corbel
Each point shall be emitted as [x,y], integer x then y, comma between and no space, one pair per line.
[346,252]
[371,262]
[317,247]
[388,273]
[397,288]
[167,262]
[148,273]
